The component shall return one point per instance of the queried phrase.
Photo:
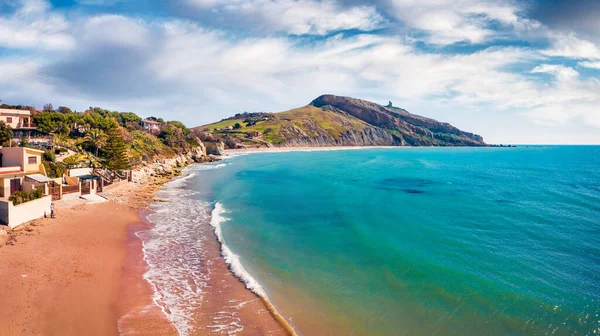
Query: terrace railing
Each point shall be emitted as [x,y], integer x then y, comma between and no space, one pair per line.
[70,189]
[26,125]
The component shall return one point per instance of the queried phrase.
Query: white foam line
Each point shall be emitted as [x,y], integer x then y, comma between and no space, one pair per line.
[232,259]
[177,281]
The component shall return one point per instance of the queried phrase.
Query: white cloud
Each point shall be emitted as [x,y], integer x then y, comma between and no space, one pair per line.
[561,72]
[572,47]
[591,65]
[114,30]
[296,17]
[34,26]
[450,21]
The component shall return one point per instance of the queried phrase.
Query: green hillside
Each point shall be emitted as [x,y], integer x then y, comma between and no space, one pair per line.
[338,121]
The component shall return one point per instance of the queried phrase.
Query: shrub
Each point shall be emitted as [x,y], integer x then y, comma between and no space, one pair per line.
[73,160]
[49,156]
[268,130]
[37,193]
[19,197]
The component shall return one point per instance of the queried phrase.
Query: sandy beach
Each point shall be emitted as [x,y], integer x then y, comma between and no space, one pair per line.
[82,273]
[62,276]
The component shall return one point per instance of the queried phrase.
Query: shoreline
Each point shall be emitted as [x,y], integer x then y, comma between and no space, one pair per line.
[68,276]
[226,306]
[92,277]
[241,274]
[306,149]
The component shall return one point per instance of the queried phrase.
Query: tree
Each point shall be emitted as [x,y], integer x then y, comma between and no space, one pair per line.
[181,126]
[95,138]
[48,107]
[72,161]
[116,151]
[49,156]
[237,126]
[175,137]
[6,133]
[24,141]
[127,117]
[60,139]
[64,109]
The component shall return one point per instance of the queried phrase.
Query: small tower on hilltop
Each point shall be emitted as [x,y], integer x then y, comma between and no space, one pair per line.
[389,104]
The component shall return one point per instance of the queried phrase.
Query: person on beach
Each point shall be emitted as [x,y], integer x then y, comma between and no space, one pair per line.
[51,210]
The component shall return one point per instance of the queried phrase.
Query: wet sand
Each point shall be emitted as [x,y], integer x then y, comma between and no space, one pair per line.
[228,307]
[82,274]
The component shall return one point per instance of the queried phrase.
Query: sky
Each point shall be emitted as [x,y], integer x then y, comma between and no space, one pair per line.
[512,71]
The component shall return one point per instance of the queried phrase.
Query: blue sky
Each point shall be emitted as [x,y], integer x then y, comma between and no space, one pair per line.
[512,71]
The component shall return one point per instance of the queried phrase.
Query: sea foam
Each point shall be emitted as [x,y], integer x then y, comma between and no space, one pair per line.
[172,249]
[236,267]
[232,259]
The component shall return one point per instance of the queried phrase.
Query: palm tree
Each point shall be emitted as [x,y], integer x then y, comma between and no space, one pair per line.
[96,138]
[59,139]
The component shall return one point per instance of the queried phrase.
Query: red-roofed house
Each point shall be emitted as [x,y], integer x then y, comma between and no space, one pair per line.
[151,126]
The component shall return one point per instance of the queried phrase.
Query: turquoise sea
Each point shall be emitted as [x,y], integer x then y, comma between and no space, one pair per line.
[415,241]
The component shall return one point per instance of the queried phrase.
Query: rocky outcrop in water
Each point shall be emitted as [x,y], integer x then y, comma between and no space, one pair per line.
[168,166]
[215,148]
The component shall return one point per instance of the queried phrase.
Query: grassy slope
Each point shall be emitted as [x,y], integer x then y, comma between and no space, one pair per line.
[300,117]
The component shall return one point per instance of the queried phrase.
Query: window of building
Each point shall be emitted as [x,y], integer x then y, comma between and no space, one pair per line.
[32,160]
[9,120]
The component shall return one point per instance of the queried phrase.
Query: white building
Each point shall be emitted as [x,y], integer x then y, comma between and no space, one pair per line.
[151,126]
[21,121]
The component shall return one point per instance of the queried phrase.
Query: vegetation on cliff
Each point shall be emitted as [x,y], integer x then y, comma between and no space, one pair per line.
[338,121]
[117,140]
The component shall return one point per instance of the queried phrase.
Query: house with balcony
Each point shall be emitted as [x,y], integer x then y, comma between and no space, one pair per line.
[17,163]
[21,169]
[21,121]
[151,126]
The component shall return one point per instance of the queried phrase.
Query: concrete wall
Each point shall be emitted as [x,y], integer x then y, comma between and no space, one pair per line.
[113,186]
[80,172]
[4,211]
[58,180]
[15,215]
[29,186]
[12,156]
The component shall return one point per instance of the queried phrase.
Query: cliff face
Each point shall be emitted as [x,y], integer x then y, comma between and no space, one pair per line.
[340,121]
[318,137]
[407,128]
[166,166]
